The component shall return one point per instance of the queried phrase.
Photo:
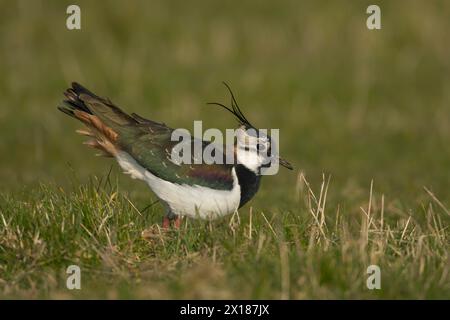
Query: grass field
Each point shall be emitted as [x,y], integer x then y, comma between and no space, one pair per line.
[364,117]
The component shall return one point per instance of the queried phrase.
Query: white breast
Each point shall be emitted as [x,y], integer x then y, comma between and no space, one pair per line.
[186,200]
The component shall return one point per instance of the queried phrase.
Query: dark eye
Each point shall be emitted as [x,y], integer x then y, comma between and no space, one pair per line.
[260,147]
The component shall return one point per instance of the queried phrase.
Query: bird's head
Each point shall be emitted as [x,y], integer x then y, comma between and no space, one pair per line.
[255,149]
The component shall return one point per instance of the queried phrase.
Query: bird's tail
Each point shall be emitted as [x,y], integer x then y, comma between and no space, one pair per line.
[99,115]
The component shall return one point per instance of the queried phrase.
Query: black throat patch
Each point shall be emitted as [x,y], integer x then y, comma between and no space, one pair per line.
[249,183]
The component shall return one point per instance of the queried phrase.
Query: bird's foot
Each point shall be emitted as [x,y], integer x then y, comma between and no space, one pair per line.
[167,222]
[177,222]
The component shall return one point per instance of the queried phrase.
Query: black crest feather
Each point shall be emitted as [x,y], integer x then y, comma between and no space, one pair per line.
[235,110]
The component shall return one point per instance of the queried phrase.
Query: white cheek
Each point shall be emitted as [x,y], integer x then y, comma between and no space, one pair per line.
[249,159]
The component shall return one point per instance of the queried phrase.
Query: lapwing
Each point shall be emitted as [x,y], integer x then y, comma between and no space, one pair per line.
[142,148]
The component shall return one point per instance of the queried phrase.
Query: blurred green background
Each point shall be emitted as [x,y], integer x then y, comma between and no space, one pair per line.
[355,103]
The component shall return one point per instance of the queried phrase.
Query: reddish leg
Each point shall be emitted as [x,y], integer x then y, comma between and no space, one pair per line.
[166,222]
[177,222]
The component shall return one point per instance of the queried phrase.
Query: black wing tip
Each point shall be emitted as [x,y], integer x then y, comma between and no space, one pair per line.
[67,111]
[78,89]
[73,101]
[75,88]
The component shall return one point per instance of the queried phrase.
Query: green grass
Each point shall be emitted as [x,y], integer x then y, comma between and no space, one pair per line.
[359,105]
[306,252]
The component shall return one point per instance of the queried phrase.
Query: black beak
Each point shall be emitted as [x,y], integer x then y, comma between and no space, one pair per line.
[285,164]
